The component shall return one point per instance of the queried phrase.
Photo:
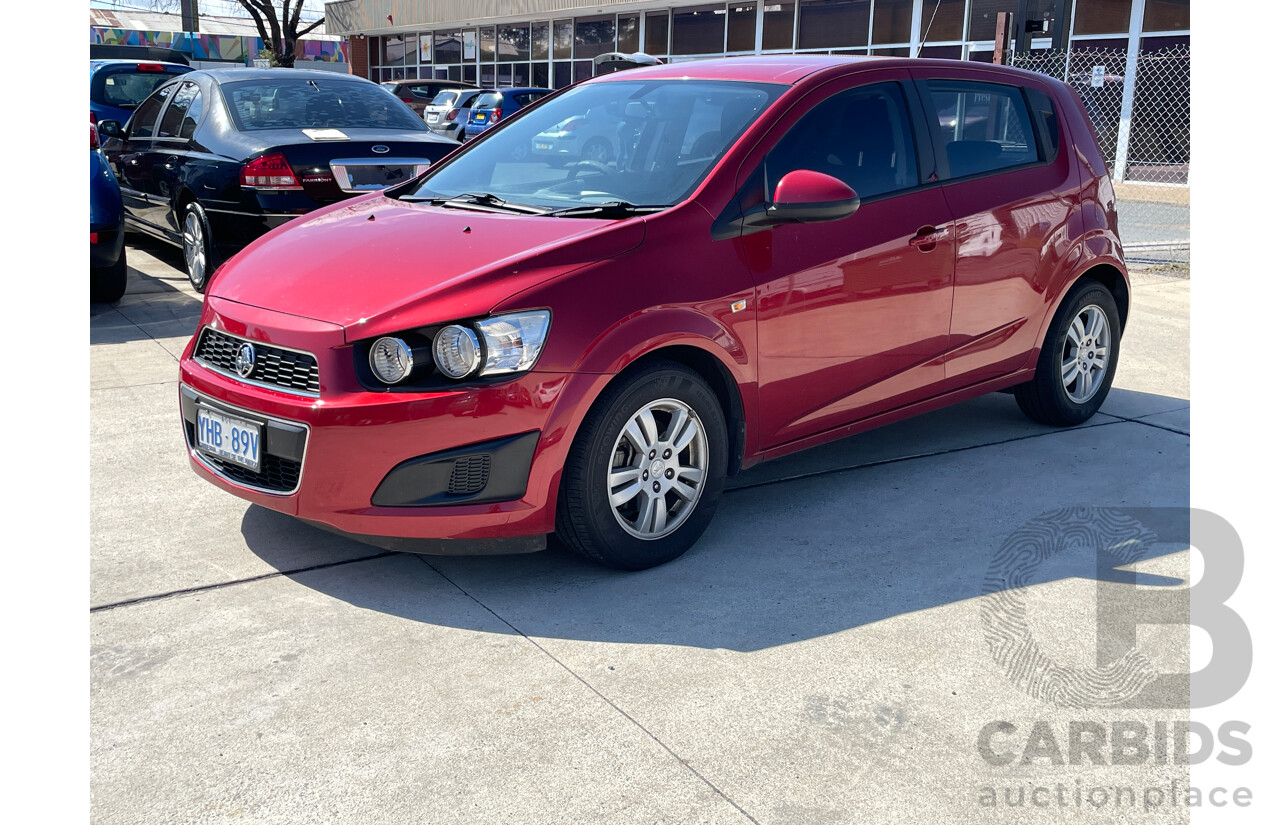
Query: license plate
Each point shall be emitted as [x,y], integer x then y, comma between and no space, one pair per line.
[432,118]
[378,176]
[229,438]
[542,147]
[480,118]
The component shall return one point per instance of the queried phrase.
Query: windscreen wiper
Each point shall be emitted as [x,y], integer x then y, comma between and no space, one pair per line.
[485,200]
[607,210]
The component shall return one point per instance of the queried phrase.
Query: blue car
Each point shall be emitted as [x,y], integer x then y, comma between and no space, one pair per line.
[108,270]
[116,87]
[494,104]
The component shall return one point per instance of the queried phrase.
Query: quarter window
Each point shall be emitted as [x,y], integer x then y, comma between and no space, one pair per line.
[985,127]
[861,136]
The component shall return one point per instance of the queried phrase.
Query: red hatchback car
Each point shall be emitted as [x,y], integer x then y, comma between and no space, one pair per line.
[783,251]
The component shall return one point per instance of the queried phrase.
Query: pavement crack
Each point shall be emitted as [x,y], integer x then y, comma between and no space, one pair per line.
[680,760]
[186,591]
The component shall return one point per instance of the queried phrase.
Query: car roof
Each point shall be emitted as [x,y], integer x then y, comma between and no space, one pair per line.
[232,75]
[789,69]
[102,63]
[508,90]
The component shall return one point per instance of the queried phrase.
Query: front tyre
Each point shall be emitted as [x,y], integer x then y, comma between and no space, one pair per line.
[644,475]
[197,246]
[1078,360]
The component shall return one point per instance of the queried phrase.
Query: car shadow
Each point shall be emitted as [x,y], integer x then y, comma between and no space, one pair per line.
[156,303]
[824,541]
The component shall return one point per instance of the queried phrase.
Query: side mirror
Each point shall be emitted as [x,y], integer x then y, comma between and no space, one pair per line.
[110,128]
[805,196]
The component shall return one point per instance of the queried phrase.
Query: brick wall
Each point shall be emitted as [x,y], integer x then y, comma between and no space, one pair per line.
[358,54]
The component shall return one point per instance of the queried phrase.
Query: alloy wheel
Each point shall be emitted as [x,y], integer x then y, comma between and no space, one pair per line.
[1086,354]
[657,470]
[193,247]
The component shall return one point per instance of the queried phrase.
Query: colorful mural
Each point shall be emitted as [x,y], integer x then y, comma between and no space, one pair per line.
[216,46]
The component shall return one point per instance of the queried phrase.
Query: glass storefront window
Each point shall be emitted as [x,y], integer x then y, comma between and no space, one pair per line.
[488,37]
[581,70]
[628,34]
[1166,15]
[513,42]
[982,17]
[448,48]
[1102,16]
[375,52]
[742,27]
[593,36]
[891,22]
[539,44]
[541,76]
[779,25]
[563,74]
[562,46]
[834,23]
[943,21]
[393,50]
[697,30]
[656,27]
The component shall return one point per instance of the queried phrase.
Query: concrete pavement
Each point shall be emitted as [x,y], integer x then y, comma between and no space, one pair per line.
[824,654]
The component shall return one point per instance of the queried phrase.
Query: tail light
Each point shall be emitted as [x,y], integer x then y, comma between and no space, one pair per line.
[497,114]
[93,136]
[93,237]
[93,118]
[453,115]
[406,100]
[571,125]
[269,172]
[150,67]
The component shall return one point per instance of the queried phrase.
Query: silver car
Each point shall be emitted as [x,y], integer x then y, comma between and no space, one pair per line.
[447,113]
[593,136]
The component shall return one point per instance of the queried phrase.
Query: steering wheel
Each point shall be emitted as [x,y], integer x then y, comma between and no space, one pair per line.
[586,166]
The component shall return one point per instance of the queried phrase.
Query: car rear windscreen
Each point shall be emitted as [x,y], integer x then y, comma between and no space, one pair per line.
[488,100]
[126,88]
[318,103]
[444,98]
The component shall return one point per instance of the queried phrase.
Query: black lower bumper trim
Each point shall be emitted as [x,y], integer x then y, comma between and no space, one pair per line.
[483,473]
[443,547]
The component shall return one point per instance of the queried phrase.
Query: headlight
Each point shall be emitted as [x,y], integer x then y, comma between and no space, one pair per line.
[513,342]
[457,351]
[391,360]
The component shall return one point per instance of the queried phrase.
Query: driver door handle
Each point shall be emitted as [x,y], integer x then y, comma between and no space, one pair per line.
[927,237]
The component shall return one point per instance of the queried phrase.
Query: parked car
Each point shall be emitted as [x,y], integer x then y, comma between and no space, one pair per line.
[116,87]
[594,136]
[417,94]
[214,159]
[448,112]
[494,104]
[108,269]
[788,252]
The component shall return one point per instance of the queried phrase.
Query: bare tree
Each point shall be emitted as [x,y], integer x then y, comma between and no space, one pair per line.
[280,31]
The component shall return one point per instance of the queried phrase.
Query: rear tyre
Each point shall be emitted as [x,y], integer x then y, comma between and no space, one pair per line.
[197,246]
[596,151]
[646,470]
[107,284]
[1078,360]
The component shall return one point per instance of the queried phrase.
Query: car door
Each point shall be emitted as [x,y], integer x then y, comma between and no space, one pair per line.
[853,314]
[172,155]
[131,160]
[1011,192]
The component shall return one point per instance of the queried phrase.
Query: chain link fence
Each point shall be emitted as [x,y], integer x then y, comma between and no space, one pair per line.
[1142,114]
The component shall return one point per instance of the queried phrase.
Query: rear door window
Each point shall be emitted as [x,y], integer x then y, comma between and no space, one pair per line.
[183,113]
[861,136]
[985,127]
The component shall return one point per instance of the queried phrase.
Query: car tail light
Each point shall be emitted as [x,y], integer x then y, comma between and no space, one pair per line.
[497,113]
[571,125]
[269,172]
[93,118]
[453,115]
[93,237]
[93,136]
[406,99]
[150,67]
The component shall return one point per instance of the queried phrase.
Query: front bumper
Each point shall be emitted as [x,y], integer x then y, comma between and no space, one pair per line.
[381,464]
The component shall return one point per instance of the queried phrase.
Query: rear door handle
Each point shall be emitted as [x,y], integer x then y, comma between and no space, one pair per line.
[170,165]
[927,237]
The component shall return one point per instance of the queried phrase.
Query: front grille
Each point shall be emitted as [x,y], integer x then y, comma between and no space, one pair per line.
[277,475]
[286,369]
[470,474]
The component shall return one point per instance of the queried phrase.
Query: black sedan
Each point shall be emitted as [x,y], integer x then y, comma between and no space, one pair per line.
[214,159]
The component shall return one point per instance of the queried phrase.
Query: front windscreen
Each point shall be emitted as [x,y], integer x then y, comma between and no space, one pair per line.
[319,103]
[642,143]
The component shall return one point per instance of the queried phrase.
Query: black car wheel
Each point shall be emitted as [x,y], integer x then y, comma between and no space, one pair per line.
[644,474]
[197,246]
[597,151]
[107,283]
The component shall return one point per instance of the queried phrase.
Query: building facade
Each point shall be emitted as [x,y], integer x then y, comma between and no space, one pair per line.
[495,43]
